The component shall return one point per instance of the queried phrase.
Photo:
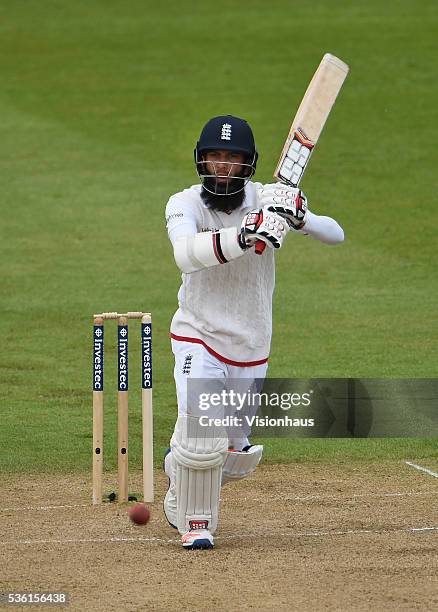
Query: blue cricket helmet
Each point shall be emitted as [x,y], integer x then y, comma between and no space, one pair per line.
[228,133]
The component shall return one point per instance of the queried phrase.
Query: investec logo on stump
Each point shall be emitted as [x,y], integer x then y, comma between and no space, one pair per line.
[98,358]
[146,355]
[123,358]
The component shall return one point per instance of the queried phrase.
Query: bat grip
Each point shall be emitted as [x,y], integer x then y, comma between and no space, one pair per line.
[260,247]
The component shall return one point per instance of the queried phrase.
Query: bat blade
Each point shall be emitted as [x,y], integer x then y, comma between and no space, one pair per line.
[309,122]
[310,119]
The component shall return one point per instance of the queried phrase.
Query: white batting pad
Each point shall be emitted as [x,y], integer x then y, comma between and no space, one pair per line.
[169,503]
[199,453]
[240,464]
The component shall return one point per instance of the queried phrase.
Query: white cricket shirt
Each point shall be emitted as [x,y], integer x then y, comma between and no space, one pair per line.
[228,307]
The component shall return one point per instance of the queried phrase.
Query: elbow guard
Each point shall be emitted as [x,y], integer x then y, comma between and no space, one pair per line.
[206,249]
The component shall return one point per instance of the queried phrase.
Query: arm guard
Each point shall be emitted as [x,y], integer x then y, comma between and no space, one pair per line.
[206,249]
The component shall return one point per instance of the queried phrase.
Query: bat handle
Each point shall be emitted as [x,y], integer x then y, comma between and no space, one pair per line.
[260,247]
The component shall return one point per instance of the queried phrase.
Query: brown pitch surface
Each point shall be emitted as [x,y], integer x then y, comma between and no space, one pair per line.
[295,537]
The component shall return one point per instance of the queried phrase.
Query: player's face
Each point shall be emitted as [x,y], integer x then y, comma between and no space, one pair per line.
[224,164]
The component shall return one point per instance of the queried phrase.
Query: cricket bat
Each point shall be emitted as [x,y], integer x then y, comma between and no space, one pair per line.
[308,123]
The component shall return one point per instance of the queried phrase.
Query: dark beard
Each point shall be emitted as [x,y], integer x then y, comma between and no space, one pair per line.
[222,203]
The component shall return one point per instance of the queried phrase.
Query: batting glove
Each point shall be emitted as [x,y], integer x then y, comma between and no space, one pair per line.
[288,202]
[265,225]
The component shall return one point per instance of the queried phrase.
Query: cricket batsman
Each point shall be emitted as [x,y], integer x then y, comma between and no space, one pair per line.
[223,326]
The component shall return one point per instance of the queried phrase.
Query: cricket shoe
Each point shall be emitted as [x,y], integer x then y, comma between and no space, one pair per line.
[197,539]
[169,503]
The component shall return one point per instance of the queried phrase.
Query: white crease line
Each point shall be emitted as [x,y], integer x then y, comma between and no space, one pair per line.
[422,469]
[297,498]
[423,528]
[317,534]
[358,496]
[44,507]
[93,540]
[262,534]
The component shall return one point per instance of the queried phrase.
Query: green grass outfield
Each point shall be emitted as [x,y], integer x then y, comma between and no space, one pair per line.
[101,103]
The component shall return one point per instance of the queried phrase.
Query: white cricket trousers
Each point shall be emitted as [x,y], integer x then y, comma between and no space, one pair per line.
[194,361]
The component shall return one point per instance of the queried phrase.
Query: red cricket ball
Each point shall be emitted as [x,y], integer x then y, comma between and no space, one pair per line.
[139,514]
